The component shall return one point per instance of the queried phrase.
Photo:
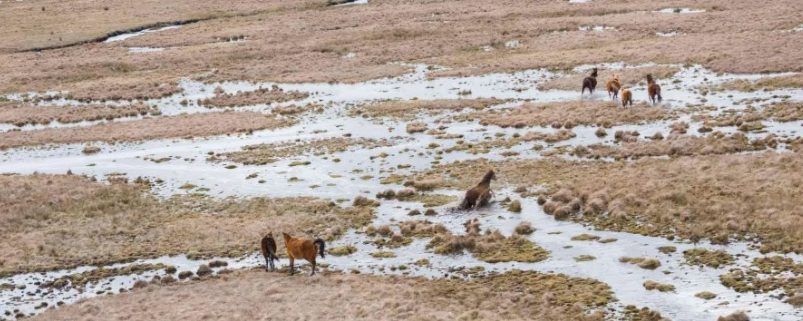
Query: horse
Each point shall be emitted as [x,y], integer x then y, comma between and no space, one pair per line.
[613,87]
[590,82]
[627,97]
[653,89]
[298,248]
[268,245]
[480,195]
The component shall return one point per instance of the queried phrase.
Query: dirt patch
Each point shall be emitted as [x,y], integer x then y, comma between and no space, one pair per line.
[676,146]
[628,77]
[569,114]
[259,96]
[54,221]
[191,125]
[268,153]
[25,114]
[408,109]
[717,196]
[547,297]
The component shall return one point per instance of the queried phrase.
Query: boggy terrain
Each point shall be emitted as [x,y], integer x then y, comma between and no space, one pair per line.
[364,124]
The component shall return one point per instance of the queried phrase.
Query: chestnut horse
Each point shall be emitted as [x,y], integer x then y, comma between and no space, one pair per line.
[613,87]
[590,82]
[480,195]
[298,248]
[653,90]
[268,245]
[627,97]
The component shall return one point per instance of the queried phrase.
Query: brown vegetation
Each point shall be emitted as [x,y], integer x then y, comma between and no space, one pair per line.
[259,96]
[569,114]
[514,295]
[716,196]
[24,114]
[192,125]
[677,146]
[379,34]
[53,221]
[407,109]
[268,153]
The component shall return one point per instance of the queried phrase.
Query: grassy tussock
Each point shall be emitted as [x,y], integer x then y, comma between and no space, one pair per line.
[193,125]
[262,154]
[256,97]
[568,114]
[55,221]
[719,197]
[408,109]
[23,114]
[514,295]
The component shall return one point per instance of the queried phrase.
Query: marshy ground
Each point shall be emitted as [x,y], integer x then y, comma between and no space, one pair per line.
[145,150]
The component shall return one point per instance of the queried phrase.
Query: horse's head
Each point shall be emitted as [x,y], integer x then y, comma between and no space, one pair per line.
[490,175]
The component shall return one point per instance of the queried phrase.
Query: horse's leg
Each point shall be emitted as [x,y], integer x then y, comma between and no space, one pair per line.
[313,267]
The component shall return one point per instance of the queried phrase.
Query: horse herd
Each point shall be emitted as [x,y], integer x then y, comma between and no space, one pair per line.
[614,87]
[298,248]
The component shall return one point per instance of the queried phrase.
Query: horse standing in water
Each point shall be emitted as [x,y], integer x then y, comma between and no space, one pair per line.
[627,97]
[613,86]
[590,82]
[653,90]
[268,245]
[480,195]
[303,248]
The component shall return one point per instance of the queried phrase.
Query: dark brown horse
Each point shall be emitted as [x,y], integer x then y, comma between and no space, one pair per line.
[298,248]
[268,245]
[480,195]
[653,89]
[590,82]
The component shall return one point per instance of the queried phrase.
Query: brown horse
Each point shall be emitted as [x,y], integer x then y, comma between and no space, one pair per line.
[613,87]
[480,195]
[268,245]
[653,90]
[590,82]
[303,248]
[627,97]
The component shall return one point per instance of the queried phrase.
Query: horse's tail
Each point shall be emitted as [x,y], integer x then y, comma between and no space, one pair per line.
[321,246]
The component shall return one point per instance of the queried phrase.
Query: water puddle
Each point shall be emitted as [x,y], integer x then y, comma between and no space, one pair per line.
[680,10]
[129,35]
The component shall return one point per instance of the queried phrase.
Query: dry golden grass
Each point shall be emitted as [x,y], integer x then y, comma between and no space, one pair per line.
[676,146]
[192,125]
[52,221]
[716,196]
[513,295]
[24,114]
[628,77]
[259,96]
[793,81]
[407,109]
[267,153]
[569,114]
[306,41]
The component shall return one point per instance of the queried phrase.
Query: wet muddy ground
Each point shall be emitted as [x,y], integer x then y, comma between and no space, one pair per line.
[364,171]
